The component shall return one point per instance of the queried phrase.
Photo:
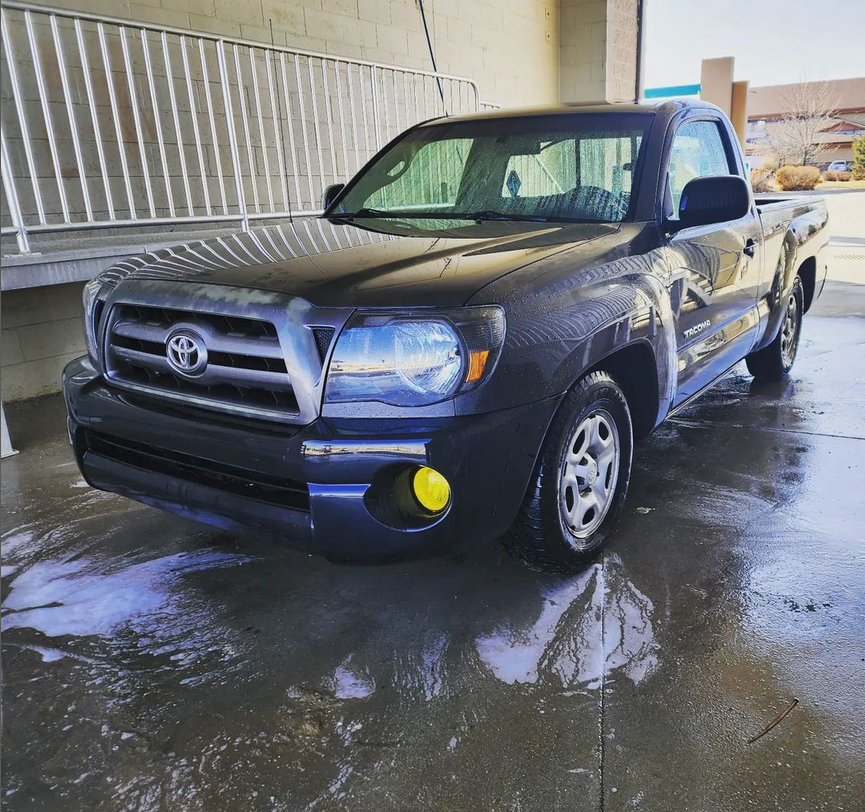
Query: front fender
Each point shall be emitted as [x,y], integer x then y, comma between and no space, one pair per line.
[558,332]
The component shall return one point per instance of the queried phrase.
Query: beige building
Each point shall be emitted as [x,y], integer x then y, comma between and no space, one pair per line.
[768,105]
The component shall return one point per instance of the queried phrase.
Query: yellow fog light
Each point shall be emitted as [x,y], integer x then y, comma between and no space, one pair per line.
[431,489]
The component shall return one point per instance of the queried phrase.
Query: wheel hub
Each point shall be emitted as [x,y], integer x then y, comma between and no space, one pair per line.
[790,330]
[590,470]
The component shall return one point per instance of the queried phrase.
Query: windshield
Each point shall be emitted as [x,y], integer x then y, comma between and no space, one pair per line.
[556,168]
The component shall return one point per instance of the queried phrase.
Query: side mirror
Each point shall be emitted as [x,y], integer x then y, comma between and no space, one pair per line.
[330,193]
[717,199]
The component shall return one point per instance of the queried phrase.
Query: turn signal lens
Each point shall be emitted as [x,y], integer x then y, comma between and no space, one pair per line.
[431,489]
[477,364]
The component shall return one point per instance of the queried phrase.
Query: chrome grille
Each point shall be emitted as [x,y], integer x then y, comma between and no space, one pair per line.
[245,370]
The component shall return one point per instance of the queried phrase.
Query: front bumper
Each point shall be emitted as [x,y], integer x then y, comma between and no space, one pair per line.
[488,460]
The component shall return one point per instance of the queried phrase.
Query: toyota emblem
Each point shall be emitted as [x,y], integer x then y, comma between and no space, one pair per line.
[186,353]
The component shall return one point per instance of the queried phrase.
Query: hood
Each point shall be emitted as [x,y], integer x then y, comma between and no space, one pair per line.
[336,265]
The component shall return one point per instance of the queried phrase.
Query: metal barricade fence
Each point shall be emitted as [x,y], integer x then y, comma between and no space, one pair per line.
[112,123]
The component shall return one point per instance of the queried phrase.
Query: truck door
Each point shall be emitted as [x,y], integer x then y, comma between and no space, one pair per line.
[714,270]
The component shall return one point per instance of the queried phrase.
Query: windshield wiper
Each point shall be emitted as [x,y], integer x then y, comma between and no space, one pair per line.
[486,215]
[500,216]
[366,213]
[351,215]
[490,214]
[479,216]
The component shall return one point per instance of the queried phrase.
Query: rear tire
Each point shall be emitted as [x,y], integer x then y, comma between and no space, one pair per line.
[775,361]
[580,481]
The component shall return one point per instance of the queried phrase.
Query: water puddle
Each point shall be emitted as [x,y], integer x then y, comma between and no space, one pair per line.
[351,684]
[142,609]
[595,623]
[81,597]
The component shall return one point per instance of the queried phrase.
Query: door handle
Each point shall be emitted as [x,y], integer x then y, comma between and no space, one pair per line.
[750,247]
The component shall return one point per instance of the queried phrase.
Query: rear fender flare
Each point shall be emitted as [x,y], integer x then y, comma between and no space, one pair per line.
[785,273]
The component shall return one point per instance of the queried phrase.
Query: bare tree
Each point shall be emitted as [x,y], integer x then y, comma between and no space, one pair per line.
[796,138]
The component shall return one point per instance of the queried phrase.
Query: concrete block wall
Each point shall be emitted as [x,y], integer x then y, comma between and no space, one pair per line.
[598,50]
[40,332]
[622,36]
[582,48]
[509,47]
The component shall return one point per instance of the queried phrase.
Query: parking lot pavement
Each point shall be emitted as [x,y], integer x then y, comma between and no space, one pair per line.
[152,664]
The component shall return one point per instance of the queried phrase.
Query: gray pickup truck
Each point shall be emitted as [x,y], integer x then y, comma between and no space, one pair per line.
[463,348]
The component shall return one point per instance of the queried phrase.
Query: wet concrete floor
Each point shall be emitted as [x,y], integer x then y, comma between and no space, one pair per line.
[153,664]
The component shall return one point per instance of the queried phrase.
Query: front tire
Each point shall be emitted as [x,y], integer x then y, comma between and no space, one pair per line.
[776,360]
[580,482]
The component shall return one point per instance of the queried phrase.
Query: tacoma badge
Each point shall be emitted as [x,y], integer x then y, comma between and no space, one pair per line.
[697,328]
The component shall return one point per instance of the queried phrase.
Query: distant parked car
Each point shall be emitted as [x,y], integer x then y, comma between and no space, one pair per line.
[838,166]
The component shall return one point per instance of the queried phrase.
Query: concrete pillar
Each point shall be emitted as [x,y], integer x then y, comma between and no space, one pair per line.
[598,50]
[739,110]
[716,82]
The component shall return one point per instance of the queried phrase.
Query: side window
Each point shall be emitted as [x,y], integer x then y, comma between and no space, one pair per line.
[697,152]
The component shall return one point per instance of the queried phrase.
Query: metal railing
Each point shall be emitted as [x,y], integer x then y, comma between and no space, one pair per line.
[111,123]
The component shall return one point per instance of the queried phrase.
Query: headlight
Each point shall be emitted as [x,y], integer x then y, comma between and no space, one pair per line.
[414,360]
[92,309]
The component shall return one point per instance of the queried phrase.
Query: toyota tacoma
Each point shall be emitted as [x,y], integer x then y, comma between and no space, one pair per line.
[463,347]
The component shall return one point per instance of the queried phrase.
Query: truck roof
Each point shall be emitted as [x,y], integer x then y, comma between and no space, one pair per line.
[668,107]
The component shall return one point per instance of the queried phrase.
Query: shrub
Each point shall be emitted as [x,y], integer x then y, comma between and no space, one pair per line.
[842,176]
[859,157]
[797,178]
[761,180]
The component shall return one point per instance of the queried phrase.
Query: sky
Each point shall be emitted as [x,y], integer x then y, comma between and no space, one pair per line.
[773,41]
